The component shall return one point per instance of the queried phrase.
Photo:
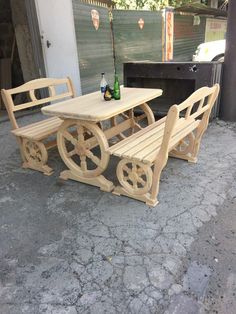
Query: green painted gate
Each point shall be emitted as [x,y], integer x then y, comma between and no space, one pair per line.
[94,46]
[133,43]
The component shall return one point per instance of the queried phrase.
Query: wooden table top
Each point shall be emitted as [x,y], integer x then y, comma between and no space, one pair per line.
[92,107]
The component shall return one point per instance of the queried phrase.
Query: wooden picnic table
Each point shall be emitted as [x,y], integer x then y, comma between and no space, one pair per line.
[83,139]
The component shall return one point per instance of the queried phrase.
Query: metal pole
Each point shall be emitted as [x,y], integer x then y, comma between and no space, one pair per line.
[228,98]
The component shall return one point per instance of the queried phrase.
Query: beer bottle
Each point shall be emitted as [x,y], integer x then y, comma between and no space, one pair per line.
[116,93]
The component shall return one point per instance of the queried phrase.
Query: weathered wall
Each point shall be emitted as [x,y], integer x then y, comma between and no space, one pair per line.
[6,29]
[23,39]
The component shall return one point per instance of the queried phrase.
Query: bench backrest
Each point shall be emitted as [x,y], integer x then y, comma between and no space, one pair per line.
[196,108]
[30,89]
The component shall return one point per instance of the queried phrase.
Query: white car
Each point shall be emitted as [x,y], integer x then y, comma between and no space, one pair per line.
[210,51]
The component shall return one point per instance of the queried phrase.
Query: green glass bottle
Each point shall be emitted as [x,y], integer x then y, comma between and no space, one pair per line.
[116,93]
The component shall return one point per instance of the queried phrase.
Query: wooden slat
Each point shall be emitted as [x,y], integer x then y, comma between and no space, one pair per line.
[144,145]
[29,126]
[38,84]
[154,143]
[142,140]
[91,107]
[151,138]
[184,132]
[174,140]
[131,139]
[196,96]
[150,143]
[200,111]
[40,101]
[39,130]
[42,135]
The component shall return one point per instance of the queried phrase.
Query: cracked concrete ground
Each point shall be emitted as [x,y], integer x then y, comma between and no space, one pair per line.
[71,248]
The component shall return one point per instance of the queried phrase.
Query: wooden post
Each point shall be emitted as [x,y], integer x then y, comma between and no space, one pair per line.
[228,99]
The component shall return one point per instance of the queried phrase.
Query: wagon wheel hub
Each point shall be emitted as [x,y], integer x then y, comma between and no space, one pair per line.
[133,176]
[81,149]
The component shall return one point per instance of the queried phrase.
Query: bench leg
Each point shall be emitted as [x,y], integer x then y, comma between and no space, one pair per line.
[136,181]
[186,149]
[197,142]
[35,156]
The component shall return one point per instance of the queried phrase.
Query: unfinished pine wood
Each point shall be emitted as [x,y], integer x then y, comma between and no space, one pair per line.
[82,141]
[91,107]
[145,154]
[39,130]
[141,119]
[84,152]
[31,137]
[147,142]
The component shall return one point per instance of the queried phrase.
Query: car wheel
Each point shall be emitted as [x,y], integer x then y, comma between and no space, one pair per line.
[219,58]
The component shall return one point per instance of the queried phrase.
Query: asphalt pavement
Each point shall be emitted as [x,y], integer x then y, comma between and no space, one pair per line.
[67,248]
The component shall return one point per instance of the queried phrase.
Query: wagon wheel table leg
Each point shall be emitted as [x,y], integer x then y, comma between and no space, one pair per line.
[83,148]
[144,118]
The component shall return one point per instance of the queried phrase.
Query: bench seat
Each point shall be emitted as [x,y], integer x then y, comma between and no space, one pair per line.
[145,145]
[34,139]
[39,130]
[144,154]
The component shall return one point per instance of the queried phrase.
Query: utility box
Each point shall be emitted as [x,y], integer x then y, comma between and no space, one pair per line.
[178,80]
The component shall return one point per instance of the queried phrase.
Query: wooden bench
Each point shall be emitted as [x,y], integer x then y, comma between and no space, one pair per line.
[145,153]
[34,139]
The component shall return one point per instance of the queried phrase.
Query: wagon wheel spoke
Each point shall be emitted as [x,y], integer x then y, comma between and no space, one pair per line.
[38,155]
[80,131]
[141,181]
[30,150]
[134,181]
[126,169]
[138,127]
[134,167]
[69,137]
[140,171]
[94,158]
[71,153]
[137,122]
[126,178]
[83,163]
[135,184]
[140,117]
[124,115]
